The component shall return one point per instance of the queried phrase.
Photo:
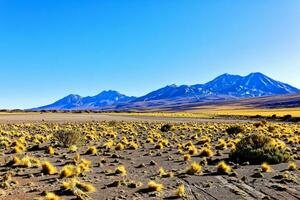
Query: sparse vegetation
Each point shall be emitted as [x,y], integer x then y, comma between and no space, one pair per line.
[153,186]
[124,156]
[265,167]
[233,130]
[195,168]
[67,138]
[223,168]
[166,128]
[259,148]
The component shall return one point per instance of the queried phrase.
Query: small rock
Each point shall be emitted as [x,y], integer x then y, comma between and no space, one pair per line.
[152,162]
[257,175]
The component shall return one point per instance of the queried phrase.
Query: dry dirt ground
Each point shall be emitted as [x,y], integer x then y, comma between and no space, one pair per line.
[82,117]
[142,162]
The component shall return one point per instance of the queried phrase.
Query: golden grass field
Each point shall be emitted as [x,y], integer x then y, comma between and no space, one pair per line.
[210,112]
[247,111]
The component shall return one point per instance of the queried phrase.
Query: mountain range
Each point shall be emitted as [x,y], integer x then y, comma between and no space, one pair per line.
[222,88]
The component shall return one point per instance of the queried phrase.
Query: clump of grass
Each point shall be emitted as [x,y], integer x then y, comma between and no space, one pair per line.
[15,161]
[109,144]
[168,175]
[73,148]
[51,196]
[7,181]
[195,168]
[153,186]
[69,171]
[259,148]
[50,151]
[292,166]
[161,171]
[180,190]
[121,170]
[159,145]
[206,152]
[77,188]
[119,147]
[265,167]
[223,168]
[48,168]
[221,144]
[186,157]
[26,162]
[83,165]
[92,150]
[133,145]
[204,139]
[19,147]
[193,150]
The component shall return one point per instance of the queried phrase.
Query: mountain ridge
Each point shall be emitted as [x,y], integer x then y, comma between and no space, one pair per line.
[225,86]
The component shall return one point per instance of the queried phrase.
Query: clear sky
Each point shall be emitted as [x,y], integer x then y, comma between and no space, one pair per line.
[51,48]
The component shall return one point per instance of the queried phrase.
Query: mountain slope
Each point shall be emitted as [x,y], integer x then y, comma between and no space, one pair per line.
[222,88]
[76,102]
[257,84]
[252,85]
[169,92]
[69,102]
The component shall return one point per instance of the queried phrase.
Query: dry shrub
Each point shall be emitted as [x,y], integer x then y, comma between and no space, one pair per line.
[166,128]
[234,130]
[67,138]
[259,148]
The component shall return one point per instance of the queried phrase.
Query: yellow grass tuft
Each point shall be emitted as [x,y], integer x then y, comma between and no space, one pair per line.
[121,170]
[92,150]
[221,144]
[83,165]
[48,168]
[108,144]
[159,146]
[119,147]
[161,171]
[193,150]
[223,168]
[153,186]
[195,168]
[206,152]
[26,162]
[50,151]
[80,189]
[133,145]
[186,157]
[266,168]
[292,166]
[69,171]
[73,148]
[181,190]
[16,160]
[51,196]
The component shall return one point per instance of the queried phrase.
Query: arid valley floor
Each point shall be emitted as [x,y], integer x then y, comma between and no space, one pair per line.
[101,156]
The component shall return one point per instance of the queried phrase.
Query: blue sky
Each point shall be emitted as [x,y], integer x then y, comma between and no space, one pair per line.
[51,48]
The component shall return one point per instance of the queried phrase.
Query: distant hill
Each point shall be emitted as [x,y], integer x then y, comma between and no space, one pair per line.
[76,102]
[226,87]
[252,85]
[279,101]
